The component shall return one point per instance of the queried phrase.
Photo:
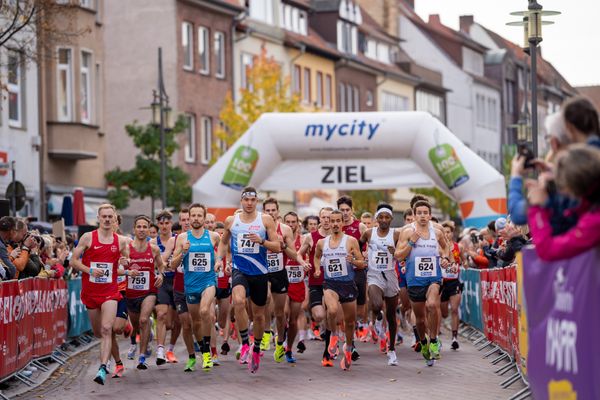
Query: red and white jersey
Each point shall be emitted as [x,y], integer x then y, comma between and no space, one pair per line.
[143,284]
[104,257]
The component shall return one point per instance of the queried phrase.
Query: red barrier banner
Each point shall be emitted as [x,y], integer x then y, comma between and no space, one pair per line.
[499,306]
[33,314]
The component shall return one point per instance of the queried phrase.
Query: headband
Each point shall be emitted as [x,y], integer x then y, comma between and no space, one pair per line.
[248,194]
[384,210]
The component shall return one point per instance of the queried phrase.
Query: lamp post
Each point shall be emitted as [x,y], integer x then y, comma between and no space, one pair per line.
[532,23]
[162,118]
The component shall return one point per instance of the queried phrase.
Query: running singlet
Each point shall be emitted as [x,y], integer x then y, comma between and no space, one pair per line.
[423,263]
[333,262]
[161,246]
[178,278]
[104,257]
[353,229]
[222,279]
[312,281]
[453,269]
[380,259]
[276,261]
[143,284]
[295,272]
[199,263]
[248,257]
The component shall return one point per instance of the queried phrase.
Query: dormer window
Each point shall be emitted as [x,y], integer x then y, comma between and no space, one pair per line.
[378,51]
[293,19]
[350,11]
[347,37]
[261,10]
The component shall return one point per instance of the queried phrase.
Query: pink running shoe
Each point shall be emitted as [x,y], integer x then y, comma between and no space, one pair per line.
[254,362]
[244,354]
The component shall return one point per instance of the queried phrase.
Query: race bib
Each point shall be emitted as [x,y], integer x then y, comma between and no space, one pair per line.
[245,245]
[451,272]
[295,273]
[425,267]
[140,282]
[107,272]
[382,260]
[199,262]
[275,262]
[336,268]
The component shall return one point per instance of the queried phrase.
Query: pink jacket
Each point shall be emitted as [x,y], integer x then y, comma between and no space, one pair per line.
[582,237]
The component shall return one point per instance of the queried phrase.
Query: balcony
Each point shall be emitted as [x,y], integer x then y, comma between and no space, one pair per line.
[74,141]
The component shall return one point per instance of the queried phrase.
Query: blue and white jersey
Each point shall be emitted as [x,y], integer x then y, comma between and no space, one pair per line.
[423,262]
[161,247]
[333,261]
[199,263]
[248,257]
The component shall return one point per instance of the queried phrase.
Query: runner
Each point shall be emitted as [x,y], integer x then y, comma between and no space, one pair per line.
[367,219]
[406,314]
[197,248]
[249,234]
[355,228]
[102,251]
[422,245]
[452,287]
[382,278]
[141,290]
[210,222]
[296,271]
[311,223]
[152,232]
[340,255]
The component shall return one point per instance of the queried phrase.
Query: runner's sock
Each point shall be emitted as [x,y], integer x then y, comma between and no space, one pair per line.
[454,334]
[433,340]
[193,355]
[205,344]
[327,340]
[302,335]
[132,338]
[416,333]
[257,344]
[103,366]
[119,362]
[424,342]
[244,336]
[171,347]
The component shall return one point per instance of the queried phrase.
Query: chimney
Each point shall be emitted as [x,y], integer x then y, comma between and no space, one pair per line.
[465,23]
[434,19]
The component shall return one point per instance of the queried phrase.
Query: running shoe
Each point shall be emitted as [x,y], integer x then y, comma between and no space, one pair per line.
[131,352]
[160,356]
[207,362]
[392,359]
[225,348]
[301,347]
[327,362]
[346,360]
[142,362]
[454,345]
[119,368]
[148,352]
[190,365]
[355,355]
[254,362]
[417,347]
[289,357]
[279,353]
[333,347]
[171,357]
[196,347]
[434,350]
[100,376]
[265,343]
[244,354]
[399,338]
[215,360]
[383,345]
[425,352]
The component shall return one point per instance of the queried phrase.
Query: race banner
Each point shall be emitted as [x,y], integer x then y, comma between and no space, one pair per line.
[79,321]
[49,299]
[562,300]
[521,318]
[499,300]
[470,305]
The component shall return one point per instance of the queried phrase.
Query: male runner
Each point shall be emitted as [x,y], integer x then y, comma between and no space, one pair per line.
[153,231]
[249,235]
[141,290]
[367,219]
[405,309]
[102,251]
[197,247]
[382,278]
[311,223]
[421,244]
[340,255]
[355,228]
[210,222]
[452,287]
[278,279]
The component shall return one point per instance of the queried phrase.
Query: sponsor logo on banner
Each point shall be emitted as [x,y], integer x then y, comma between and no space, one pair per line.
[448,165]
[328,131]
[561,333]
[240,168]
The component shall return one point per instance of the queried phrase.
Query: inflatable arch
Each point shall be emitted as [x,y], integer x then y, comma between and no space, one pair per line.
[355,151]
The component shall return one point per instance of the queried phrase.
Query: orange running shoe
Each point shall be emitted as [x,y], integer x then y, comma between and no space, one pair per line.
[171,357]
[333,347]
[346,360]
[383,345]
[119,369]
[327,362]
[374,335]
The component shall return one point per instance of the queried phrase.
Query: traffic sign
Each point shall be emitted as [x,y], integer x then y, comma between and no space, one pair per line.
[17,190]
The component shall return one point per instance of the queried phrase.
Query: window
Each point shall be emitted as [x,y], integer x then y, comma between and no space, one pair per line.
[65,85]
[247,60]
[347,37]
[220,54]
[328,88]
[206,140]
[349,98]
[432,103]
[190,139]
[87,4]
[86,88]
[204,50]
[472,61]
[297,79]
[371,50]
[394,102]
[319,99]
[306,86]
[521,78]
[356,95]
[15,90]
[510,96]
[262,10]
[342,99]
[187,42]
[302,23]
[369,98]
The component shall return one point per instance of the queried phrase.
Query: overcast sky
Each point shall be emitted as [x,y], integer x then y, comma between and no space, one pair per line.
[563,42]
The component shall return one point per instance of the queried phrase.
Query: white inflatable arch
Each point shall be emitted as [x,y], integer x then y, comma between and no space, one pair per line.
[355,151]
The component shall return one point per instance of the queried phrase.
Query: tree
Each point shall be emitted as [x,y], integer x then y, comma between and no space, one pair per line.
[440,200]
[266,91]
[367,200]
[143,180]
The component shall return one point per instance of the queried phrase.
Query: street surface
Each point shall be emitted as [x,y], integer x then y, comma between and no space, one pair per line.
[459,375]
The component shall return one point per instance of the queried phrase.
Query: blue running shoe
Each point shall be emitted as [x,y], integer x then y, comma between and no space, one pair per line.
[100,376]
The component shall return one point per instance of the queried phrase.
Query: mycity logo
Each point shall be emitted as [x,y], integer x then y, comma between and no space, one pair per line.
[356,128]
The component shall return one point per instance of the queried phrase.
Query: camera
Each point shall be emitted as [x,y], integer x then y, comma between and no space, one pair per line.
[38,239]
[526,152]
[474,238]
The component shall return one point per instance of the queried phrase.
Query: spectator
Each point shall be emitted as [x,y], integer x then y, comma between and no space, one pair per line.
[20,246]
[513,241]
[7,233]
[34,265]
[53,261]
[577,174]
[581,121]
[471,250]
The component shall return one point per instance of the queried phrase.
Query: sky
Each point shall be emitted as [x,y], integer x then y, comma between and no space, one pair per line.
[562,43]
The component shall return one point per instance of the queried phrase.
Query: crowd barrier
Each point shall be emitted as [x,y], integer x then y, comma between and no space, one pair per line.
[540,318]
[36,317]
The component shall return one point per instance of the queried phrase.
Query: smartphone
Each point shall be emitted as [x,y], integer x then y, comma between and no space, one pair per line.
[526,152]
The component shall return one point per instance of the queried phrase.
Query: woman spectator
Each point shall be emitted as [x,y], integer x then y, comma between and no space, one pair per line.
[577,175]
[581,121]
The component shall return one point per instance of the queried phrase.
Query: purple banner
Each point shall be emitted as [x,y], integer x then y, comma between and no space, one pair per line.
[563,312]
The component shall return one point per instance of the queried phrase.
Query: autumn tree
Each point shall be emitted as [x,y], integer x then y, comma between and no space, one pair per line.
[266,91]
[440,200]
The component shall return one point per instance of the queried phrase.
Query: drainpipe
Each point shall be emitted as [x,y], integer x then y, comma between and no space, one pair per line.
[233,41]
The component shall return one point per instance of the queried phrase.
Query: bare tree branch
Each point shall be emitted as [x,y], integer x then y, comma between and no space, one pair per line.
[9,30]
[23,25]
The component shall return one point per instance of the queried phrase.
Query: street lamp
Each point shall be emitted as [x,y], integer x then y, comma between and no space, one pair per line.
[532,23]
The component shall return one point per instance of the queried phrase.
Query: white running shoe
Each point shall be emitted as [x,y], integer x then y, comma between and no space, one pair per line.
[392,359]
[131,352]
